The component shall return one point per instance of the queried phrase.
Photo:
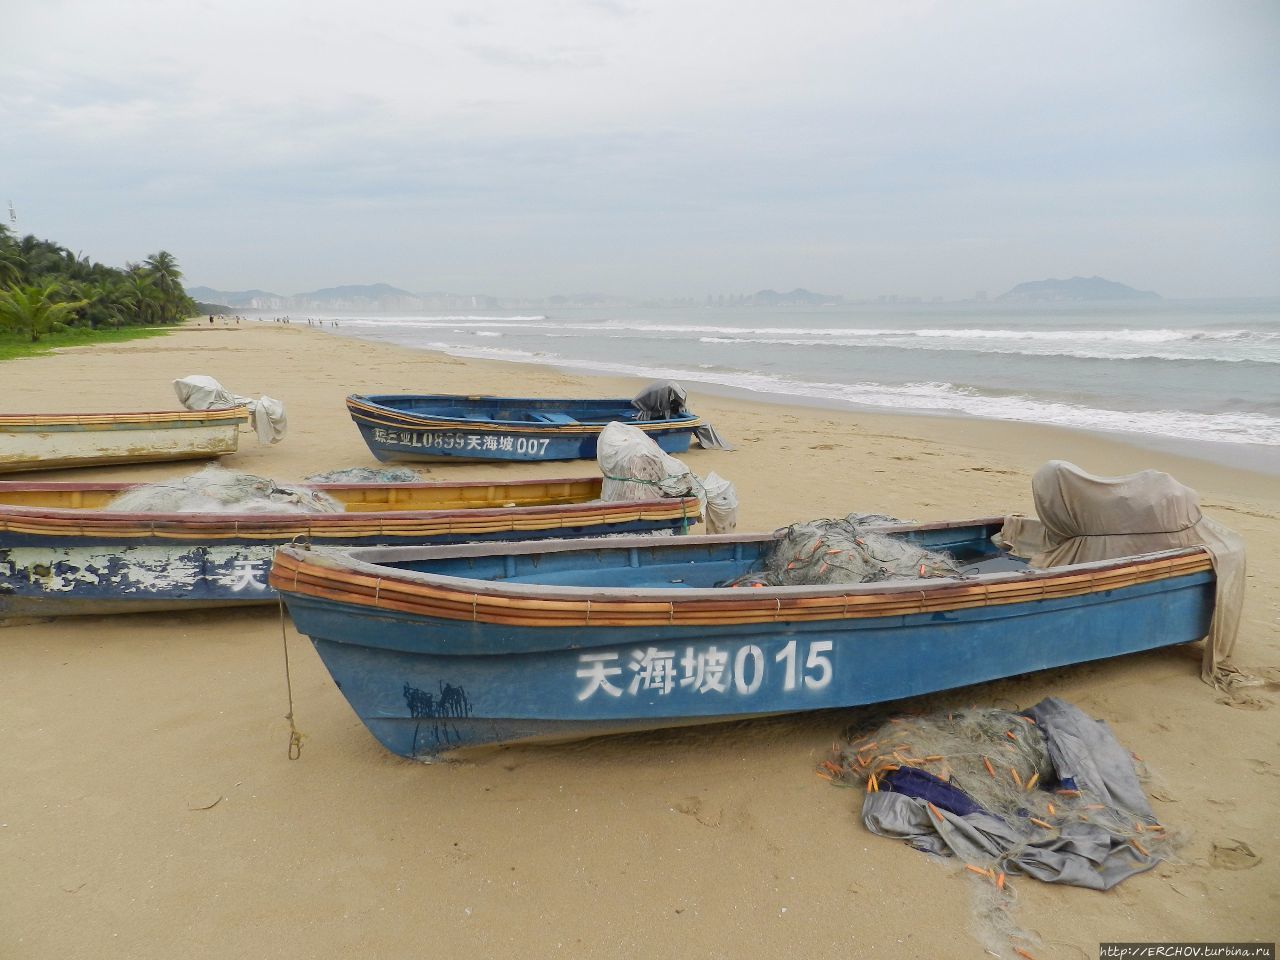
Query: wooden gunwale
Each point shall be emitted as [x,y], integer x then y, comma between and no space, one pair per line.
[432,595]
[388,417]
[592,484]
[156,417]
[56,522]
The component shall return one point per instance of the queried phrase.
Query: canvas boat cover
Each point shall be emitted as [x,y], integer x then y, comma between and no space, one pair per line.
[206,393]
[665,399]
[1083,518]
[636,468]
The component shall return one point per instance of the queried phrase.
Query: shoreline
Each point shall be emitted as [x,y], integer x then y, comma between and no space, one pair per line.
[158,812]
[980,432]
[1254,458]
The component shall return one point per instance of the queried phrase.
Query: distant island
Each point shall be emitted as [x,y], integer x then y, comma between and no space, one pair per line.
[1077,289]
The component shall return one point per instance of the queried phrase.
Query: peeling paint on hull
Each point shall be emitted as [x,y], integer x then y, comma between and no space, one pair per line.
[51,581]
[44,580]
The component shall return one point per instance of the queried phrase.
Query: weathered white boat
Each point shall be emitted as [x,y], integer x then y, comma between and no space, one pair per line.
[48,441]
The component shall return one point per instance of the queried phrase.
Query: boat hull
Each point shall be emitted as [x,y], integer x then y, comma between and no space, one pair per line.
[391,445]
[62,553]
[429,685]
[33,443]
[46,580]
[473,429]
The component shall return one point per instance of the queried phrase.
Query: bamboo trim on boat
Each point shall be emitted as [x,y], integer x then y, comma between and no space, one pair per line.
[158,417]
[354,587]
[406,523]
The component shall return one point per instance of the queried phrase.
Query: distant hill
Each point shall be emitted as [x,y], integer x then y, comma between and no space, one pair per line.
[243,299]
[771,298]
[1074,290]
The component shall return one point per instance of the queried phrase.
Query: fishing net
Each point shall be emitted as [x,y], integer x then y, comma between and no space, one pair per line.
[217,490]
[367,475]
[1001,762]
[843,551]
[636,468]
[1047,793]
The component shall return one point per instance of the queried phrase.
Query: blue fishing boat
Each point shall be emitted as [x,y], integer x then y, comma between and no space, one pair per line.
[439,649]
[460,428]
[64,551]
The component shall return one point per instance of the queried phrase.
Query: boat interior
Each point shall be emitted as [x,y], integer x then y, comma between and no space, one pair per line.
[482,410]
[673,564]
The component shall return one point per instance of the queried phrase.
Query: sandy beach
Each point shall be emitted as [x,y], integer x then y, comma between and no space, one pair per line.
[149,808]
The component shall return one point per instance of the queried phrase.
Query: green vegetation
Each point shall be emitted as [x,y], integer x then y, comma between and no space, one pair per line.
[46,290]
[14,345]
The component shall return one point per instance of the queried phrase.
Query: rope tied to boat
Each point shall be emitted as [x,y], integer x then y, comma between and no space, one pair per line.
[295,735]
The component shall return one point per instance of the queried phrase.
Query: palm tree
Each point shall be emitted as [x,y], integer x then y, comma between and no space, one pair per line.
[163,267]
[122,302]
[142,295]
[76,266]
[11,262]
[33,310]
[174,302]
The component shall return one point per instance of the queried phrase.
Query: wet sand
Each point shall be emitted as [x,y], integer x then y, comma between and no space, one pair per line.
[149,808]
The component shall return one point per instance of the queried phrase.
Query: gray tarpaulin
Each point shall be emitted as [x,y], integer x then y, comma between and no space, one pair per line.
[1084,518]
[1084,854]
[636,468]
[206,393]
[665,399]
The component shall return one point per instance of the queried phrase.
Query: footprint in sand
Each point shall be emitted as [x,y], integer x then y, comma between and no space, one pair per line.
[1243,701]
[1191,889]
[1233,854]
[692,807]
[1262,768]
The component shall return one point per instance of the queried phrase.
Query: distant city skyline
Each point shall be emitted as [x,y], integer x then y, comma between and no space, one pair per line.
[657,150]
[388,299]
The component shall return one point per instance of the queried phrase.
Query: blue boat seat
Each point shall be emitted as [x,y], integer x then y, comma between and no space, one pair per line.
[558,418]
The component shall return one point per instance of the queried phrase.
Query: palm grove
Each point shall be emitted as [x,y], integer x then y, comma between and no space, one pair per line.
[44,287]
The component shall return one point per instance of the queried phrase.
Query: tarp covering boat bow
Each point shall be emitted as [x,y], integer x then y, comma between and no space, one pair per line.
[1084,518]
[206,393]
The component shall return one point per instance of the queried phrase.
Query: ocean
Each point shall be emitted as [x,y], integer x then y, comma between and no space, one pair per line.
[1199,377]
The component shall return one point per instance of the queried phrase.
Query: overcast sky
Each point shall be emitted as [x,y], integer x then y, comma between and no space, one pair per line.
[652,148]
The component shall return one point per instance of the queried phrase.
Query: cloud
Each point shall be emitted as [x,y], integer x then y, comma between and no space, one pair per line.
[647,147]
